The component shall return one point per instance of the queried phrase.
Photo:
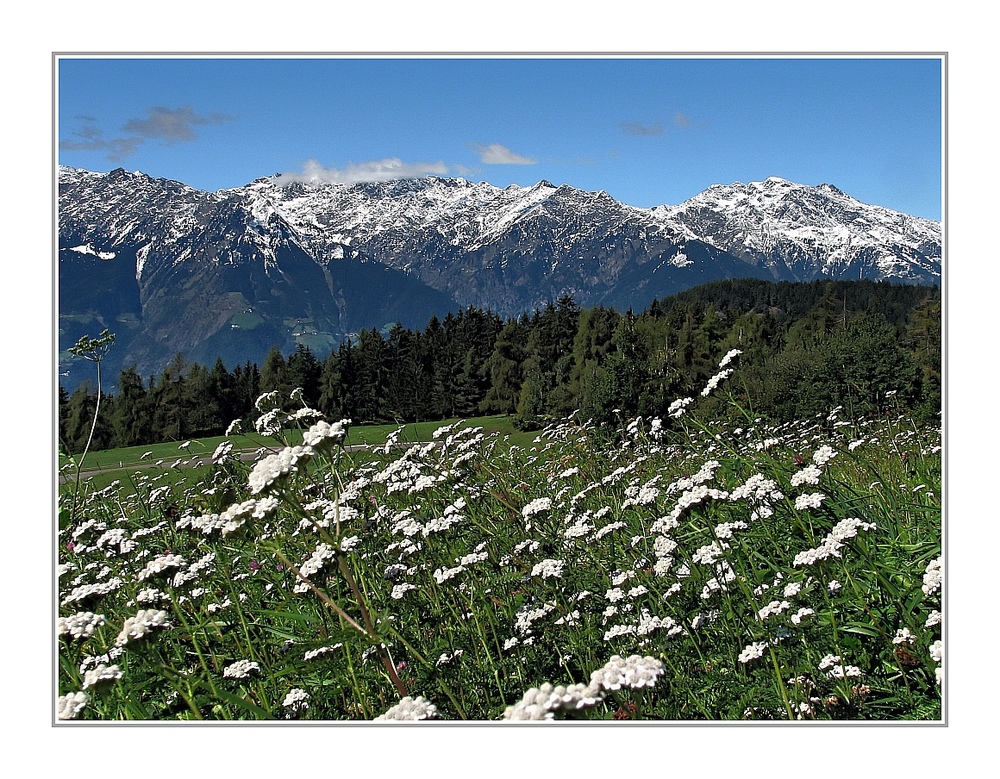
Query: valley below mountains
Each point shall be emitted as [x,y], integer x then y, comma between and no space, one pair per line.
[172,269]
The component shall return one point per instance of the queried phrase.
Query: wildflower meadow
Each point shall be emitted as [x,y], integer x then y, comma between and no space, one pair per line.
[695,567]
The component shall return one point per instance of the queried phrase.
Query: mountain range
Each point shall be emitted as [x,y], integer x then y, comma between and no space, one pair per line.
[173,269]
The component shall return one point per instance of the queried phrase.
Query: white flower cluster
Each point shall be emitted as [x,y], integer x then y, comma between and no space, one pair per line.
[399,590]
[709,554]
[151,595]
[679,407]
[101,673]
[543,702]
[642,497]
[84,591]
[68,706]
[222,452]
[715,380]
[633,672]
[536,506]
[296,701]
[752,651]
[276,466]
[269,423]
[241,669]
[527,615]
[823,455]
[832,665]
[116,542]
[323,434]
[549,569]
[320,556]
[729,357]
[810,500]
[159,564]
[808,475]
[932,576]
[410,709]
[834,541]
[441,575]
[193,572]
[233,518]
[725,529]
[772,608]
[141,624]
[80,625]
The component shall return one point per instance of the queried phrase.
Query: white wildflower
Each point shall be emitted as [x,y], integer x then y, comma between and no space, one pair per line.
[808,475]
[68,706]
[399,590]
[823,455]
[141,624]
[810,500]
[549,569]
[296,701]
[752,652]
[932,576]
[729,356]
[241,669]
[634,672]
[80,625]
[410,709]
[101,673]
[536,506]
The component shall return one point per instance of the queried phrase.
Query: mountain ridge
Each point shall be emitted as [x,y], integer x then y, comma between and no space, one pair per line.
[178,269]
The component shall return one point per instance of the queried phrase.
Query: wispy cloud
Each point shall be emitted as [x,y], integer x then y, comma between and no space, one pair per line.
[495,154]
[171,125]
[90,138]
[314,172]
[637,128]
[683,121]
[168,125]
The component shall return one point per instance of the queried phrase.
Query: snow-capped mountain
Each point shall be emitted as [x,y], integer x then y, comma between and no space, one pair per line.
[801,233]
[231,273]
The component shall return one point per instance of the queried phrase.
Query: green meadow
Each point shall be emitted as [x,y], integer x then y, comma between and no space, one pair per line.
[700,566]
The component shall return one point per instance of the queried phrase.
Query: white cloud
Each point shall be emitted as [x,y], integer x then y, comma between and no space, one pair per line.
[495,154]
[390,169]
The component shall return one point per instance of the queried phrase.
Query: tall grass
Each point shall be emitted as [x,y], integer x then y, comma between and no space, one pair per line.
[674,569]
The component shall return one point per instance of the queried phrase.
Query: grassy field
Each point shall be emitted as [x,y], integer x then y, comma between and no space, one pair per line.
[683,568]
[107,465]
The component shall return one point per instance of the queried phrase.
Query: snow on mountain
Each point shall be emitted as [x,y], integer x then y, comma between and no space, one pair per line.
[233,272]
[808,232]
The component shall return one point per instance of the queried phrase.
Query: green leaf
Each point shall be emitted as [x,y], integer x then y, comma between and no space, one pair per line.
[242,703]
[864,630]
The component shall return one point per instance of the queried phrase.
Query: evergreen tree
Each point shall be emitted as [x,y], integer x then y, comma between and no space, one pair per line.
[274,373]
[130,416]
[504,369]
[304,370]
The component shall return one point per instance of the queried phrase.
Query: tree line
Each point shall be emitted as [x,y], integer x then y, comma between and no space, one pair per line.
[807,347]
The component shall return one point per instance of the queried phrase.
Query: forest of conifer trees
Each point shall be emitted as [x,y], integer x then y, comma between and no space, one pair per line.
[807,347]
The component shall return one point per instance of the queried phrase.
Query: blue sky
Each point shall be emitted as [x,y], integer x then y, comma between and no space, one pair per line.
[647,130]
